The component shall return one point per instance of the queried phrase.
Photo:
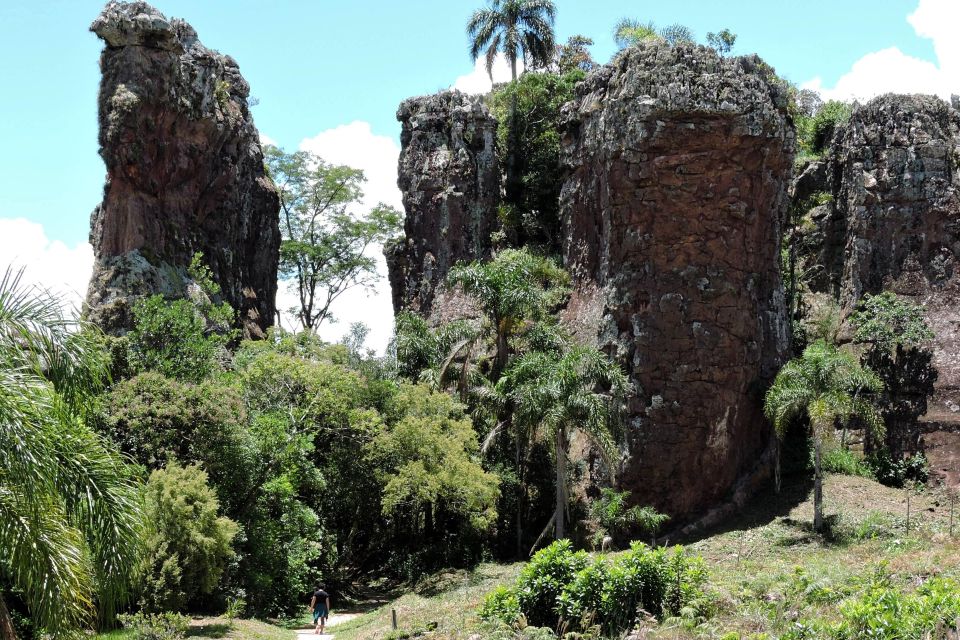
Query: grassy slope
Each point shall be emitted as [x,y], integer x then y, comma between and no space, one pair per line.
[766,569]
[219,629]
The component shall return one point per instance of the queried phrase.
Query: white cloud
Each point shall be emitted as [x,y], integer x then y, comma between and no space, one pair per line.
[357,146]
[265,140]
[50,264]
[891,70]
[478,80]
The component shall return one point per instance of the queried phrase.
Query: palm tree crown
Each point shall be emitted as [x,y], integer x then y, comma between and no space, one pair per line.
[69,508]
[515,28]
[825,383]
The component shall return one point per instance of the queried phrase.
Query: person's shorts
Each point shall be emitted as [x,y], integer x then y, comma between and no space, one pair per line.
[320,611]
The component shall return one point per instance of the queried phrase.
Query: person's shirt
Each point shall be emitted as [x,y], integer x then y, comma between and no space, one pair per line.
[321,597]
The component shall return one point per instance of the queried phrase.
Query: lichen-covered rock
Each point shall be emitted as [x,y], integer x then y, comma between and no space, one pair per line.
[894,224]
[450,180]
[184,173]
[679,162]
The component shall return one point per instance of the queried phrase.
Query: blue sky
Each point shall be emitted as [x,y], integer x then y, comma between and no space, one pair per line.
[316,65]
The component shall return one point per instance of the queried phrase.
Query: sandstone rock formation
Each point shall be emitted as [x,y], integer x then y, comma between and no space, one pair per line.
[678,165]
[450,180]
[184,173]
[894,224]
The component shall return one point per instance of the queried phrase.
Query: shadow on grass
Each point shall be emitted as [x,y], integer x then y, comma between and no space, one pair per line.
[215,630]
[764,508]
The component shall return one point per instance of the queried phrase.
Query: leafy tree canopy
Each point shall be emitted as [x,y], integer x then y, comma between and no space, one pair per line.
[325,244]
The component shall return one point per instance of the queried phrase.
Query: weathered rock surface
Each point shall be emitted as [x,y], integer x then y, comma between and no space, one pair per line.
[184,173]
[450,180]
[894,224]
[679,162]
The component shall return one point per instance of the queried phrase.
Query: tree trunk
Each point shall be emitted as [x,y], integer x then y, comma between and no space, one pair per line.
[817,486]
[7,632]
[558,514]
[500,360]
[511,186]
[522,490]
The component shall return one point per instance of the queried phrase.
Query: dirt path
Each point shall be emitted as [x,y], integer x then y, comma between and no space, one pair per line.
[332,621]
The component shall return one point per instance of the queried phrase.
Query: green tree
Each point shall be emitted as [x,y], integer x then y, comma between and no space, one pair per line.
[629,32]
[513,288]
[574,55]
[617,519]
[431,475]
[69,508]
[324,251]
[896,338]
[722,41]
[825,385]
[187,541]
[530,108]
[517,29]
[555,392]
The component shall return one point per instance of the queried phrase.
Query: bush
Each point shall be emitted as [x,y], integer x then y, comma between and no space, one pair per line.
[559,585]
[187,544]
[886,613]
[842,460]
[543,579]
[501,604]
[616,519]
[173,338]
[156,626]
[896,473]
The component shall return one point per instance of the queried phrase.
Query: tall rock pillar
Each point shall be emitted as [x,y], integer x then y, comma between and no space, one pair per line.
[184,173]
[679,162]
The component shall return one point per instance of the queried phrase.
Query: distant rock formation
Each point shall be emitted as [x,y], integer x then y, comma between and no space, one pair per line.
[450,180]
[184,173]
[893,224]
[679,162]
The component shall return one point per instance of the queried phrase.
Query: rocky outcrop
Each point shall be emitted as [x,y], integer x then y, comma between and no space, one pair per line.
[678,165]
[450,180]
[894,224]
[184,173]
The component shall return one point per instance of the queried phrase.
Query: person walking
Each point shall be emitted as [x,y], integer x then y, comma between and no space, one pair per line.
[320,604]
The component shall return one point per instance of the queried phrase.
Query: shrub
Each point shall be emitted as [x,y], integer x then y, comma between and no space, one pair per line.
[187,543]
[886,613]
[842,460]
[616,519]
[156,626]
[559,585]
[543,579]
[896,473]
[172,338]
[501,604]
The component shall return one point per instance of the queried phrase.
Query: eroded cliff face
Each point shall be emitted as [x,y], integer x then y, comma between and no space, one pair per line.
[184,173]
[450,180]
[894,224]
[679,162]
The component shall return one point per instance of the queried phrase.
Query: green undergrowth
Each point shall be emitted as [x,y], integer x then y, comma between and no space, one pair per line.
[875,574]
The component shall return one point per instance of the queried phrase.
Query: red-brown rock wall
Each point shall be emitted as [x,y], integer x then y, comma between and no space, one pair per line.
[678,167]
[184,173]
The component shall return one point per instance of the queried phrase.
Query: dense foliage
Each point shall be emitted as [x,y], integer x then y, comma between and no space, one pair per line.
[561,588]
[529,110]
[187,544]
[69,510]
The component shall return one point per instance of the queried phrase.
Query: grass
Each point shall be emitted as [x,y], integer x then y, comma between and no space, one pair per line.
[768,571]
[218,629]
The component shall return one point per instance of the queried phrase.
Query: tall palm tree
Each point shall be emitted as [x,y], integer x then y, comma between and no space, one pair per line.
[515,28]
[556,392]
[69,508]
[514,287]
[825,384]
